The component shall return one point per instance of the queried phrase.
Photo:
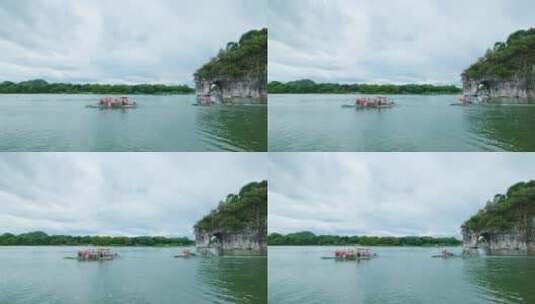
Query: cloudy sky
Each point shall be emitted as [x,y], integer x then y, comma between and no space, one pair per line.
[395,41]
[120,41]
[118,194]
[387,193]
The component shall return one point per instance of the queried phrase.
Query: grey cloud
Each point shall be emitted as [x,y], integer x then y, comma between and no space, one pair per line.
[386,194]
[118,41]
[116,193]
[386,41]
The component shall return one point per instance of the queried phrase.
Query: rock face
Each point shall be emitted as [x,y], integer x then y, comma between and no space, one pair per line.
[518,86]
[245,240]
[244,87]
[514,239]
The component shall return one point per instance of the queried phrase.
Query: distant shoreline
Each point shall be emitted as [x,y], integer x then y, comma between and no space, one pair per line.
[307,238]
[361,93]
[39,238]
[377,245]
[306,86]
[39,86]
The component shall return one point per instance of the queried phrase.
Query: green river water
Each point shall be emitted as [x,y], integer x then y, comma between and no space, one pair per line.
[314,122]
[398,275]
[31,275]
[44,122]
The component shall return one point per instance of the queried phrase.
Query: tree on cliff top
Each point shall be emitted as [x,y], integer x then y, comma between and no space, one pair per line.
[504,211]
[238,59]
[245,210]
[505,59]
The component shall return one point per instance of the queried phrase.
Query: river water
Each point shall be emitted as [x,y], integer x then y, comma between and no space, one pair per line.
[141,275]
[161,123]
[398,275]
[316,122]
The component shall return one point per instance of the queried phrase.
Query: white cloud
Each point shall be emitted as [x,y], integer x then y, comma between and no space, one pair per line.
[381,41]
[387,193]
[118,193]
[126,41]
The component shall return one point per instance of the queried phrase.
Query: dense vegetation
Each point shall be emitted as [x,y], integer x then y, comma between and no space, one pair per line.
[39,86]
[244,58]
[39,238]
[245,210]
[309,238]
[505,211]
[306,86]
[504,59]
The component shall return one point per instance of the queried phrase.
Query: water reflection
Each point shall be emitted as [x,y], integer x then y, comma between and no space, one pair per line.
[503,278]
[236,279]
[239,126]
[504,124]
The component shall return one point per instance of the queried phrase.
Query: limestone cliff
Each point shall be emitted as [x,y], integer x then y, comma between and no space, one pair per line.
[506,70]
[520,86]
[238,71]
[506,222]
[239,223]
[515,238]
[229,87]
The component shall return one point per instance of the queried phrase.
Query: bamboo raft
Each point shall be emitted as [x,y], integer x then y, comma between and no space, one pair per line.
[356,106]
[93,255]
[114,107]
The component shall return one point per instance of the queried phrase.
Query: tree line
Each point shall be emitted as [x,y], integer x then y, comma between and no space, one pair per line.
[39,238]
[40,86]
[245,210]
[306,238]
[514,209]
[246,57]
[307,86]
[514,56]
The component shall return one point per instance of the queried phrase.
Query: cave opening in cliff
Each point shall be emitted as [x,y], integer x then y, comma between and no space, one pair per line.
[217,238]
[483,240]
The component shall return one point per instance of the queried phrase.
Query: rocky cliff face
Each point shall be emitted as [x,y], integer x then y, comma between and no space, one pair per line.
[244,240]
[513,239]
[518,86]
[244,87]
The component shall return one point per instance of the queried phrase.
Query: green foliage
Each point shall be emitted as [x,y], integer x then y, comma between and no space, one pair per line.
[516,207]
[306,86]
[40,86]
[245,210]
[238,59]
[309,238]
[39,238]
[505,59]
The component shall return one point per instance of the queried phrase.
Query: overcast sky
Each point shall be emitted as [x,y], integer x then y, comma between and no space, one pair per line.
[120,41]
[394,41]
[387,193]
[116,193]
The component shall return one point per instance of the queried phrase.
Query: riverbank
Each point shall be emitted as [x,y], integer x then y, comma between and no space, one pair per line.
[39,86]
[307,86]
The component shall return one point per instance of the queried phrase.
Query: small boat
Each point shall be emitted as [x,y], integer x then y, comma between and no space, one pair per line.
[99,254]
[114,103]
[204,100]
[350,254]
[446,254]
[186,253]
[379,102]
